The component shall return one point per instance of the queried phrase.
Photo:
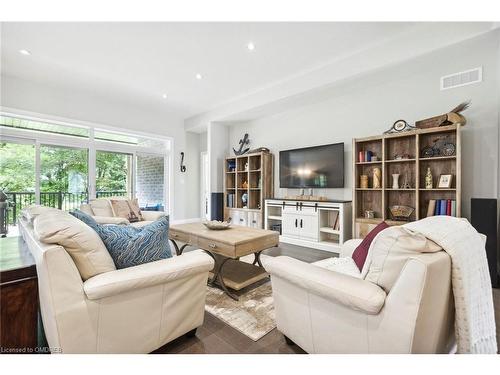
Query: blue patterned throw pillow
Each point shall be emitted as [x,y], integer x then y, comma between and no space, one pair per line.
[130,246]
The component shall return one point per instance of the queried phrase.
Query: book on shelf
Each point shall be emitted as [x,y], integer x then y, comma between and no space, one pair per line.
[442,207]
[230,200]
[431,208]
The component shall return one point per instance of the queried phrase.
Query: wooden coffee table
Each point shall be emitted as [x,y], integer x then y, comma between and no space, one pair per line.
[224,245]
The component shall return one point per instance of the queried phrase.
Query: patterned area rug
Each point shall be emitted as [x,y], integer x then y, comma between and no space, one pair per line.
[253,315]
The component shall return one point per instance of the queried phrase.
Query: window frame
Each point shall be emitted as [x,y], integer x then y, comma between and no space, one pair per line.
[39,138]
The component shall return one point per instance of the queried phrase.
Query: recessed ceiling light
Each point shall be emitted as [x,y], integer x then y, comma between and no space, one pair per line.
[198,76]
[24,52]
[164,96]
[251,46]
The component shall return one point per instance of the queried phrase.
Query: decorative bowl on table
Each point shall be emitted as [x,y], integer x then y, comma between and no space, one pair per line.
[401,213]
[217,225]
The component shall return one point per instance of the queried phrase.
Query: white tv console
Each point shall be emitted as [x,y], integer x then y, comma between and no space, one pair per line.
[310,223]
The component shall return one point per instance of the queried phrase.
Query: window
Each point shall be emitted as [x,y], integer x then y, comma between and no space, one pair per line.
[63,177]
[150,179]
[113,174]
[76,163]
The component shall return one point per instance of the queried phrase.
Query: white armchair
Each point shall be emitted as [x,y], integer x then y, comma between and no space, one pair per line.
[324,311]
[131,310]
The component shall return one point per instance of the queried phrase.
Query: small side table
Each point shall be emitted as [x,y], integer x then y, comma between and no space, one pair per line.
[19,296]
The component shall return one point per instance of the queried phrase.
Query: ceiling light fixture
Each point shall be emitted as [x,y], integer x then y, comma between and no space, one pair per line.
[251,46]
[164,96]
[24,52]
[198,76]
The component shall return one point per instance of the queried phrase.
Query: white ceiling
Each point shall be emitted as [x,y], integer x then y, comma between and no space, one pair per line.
[145,60]
[142,61]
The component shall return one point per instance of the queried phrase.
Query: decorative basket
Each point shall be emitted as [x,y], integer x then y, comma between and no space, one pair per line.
[401,213]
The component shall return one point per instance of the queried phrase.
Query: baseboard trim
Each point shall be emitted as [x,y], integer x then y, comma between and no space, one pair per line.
[186,221]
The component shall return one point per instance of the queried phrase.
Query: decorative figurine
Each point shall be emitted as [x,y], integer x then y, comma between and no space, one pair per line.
[377,174]
[395,181]
[244,199]
[243,142]
[406,183]
[246,167]
[428,179]
[363,181]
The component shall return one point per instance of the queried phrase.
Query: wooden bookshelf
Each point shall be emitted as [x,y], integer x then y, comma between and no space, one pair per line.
[412,166]
[250,174]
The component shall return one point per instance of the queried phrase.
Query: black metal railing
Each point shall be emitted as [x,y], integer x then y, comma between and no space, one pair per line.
[62,200]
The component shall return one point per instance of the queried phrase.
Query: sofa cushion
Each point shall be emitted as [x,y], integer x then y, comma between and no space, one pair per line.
[391,250]
[359,255]
[81,242]
[101,207]
[126,208]
[87,208]
[130,246]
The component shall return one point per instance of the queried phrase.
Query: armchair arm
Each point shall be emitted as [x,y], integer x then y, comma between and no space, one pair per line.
[111,220]
[149,274]
[357,294]
[152,215]
[348,248]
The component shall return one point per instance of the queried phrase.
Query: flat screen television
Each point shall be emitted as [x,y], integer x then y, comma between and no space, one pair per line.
[313,167]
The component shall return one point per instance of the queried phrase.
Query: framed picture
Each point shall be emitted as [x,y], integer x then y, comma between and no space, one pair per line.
[445,181]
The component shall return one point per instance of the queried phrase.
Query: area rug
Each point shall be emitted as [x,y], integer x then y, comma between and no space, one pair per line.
[253,315]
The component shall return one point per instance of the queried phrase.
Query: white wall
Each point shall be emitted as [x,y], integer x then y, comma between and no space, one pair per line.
[368,105]
[92,107]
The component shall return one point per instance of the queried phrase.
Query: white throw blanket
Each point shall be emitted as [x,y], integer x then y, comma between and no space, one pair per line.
[474,313]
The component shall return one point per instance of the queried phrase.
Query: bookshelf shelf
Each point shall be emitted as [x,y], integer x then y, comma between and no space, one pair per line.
[411,169]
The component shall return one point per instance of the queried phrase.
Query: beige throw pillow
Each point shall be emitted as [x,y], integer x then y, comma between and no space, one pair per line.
[128,209]
[390,251]
[81,242]
[101,207]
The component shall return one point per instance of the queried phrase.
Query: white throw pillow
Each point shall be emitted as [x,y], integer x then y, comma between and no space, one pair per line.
[390,251]
[81,242]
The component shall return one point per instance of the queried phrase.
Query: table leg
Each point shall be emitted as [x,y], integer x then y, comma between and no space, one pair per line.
[257,259]
[218,276]
[177,250]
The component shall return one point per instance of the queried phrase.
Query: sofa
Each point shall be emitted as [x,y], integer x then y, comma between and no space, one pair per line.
[328,307]
[102,211]
[108,310]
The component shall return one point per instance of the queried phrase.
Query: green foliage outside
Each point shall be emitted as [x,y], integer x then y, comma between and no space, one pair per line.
[61,169]
[17,167]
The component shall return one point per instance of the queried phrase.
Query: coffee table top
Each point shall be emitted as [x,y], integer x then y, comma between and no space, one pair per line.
[235,235]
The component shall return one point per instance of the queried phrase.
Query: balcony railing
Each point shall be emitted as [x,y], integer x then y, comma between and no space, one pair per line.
[62,200]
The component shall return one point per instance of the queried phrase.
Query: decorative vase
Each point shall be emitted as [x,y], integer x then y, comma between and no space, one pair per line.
[428,179]
[395,181]
[244,199]
[377,174]
[363,181]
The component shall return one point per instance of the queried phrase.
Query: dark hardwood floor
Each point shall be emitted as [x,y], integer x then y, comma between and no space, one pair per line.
[216,337]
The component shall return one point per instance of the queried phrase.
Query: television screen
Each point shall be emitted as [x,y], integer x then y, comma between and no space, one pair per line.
[313,167]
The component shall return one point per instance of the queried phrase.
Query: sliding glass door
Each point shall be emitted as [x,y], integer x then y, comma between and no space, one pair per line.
[113,174]
[63,177]
[17,175]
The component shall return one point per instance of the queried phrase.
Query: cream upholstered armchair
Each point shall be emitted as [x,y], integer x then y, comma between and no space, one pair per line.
[102,212]
[130,310]
[324,311]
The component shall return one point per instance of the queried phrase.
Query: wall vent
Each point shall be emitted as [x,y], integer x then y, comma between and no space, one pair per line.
[467,77]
